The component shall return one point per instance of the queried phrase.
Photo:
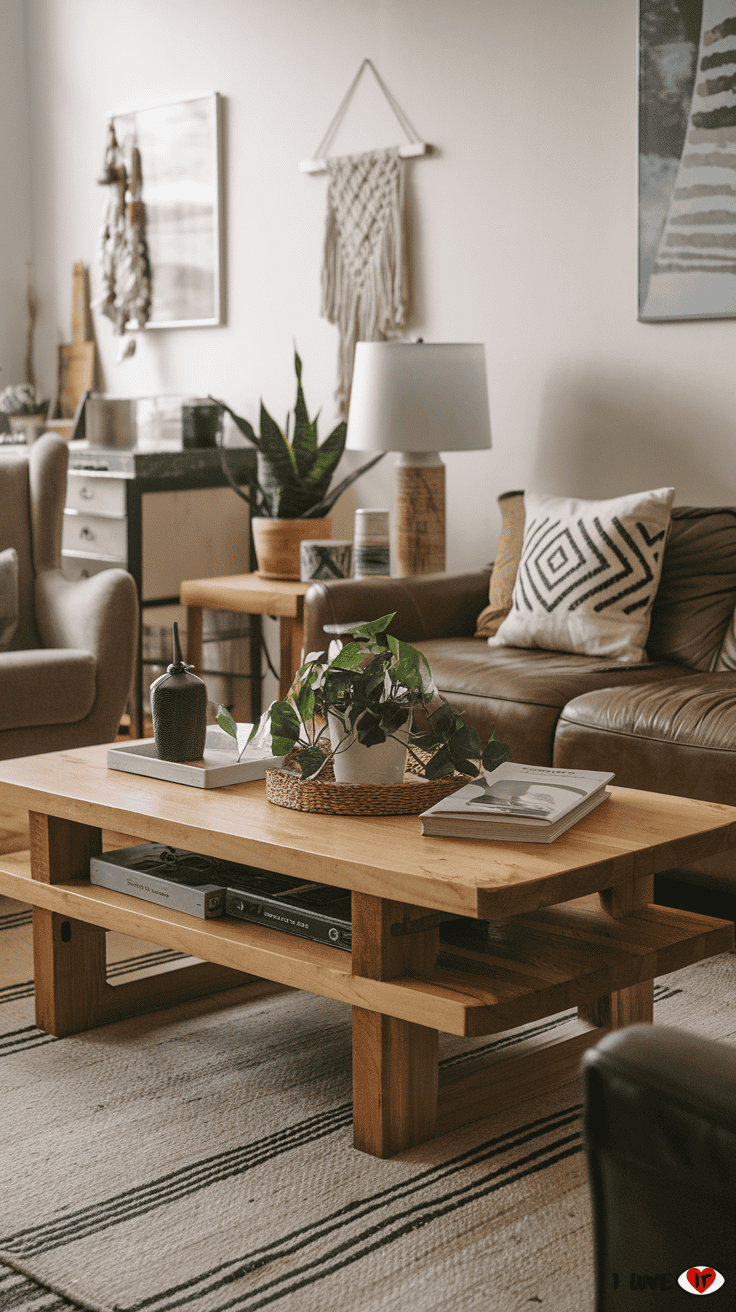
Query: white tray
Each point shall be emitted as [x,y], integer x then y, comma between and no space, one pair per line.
[219,765]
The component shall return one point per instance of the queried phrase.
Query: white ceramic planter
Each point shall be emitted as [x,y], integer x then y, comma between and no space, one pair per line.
[355,764]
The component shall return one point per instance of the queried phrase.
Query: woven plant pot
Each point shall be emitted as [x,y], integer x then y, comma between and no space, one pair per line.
[323,796]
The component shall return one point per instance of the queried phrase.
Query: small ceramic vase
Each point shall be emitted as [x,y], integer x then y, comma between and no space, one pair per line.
[179,710]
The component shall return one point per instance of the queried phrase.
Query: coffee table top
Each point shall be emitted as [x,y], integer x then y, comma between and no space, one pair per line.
[633,834]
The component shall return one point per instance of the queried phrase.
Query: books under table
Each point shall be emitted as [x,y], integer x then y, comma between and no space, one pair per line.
[208,887]
[518,804]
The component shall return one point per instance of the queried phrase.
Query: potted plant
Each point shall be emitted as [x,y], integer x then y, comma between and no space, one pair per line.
[292,485]
[363,697]
[25,409]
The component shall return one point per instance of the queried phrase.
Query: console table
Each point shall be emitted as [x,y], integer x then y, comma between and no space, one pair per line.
[116,514]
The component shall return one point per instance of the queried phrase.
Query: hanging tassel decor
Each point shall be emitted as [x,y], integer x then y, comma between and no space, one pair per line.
[365,284]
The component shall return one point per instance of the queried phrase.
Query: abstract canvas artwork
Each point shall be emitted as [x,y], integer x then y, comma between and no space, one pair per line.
[180,151]
[687,159]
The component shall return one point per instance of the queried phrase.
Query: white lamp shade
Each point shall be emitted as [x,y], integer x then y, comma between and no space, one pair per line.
[419,396]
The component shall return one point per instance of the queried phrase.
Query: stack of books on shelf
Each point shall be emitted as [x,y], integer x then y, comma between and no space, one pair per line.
[208,887]
[518,804]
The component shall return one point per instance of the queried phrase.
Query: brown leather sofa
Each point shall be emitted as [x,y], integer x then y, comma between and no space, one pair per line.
[667,725]
[660,1138]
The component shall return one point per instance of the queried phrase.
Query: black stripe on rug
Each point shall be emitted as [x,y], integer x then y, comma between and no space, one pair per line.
[16,919]
[127,966]
[188,1180]
[388,1228]
[181,1183]
[28,1037]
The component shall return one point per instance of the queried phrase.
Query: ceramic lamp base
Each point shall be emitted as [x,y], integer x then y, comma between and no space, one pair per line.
[420,513]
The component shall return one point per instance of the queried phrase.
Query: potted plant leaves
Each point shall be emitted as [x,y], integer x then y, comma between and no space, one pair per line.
[364,695]
[25,409]
[292,496]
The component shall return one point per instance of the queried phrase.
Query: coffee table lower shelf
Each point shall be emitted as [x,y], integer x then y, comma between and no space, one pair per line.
[572,955]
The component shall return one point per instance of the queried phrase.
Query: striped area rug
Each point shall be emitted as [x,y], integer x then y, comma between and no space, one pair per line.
[200,1160]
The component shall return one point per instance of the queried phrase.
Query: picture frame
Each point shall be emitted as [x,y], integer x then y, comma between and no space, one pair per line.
[687,159]
[180,145]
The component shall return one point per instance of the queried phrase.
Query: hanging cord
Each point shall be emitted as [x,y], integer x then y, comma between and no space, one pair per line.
[404,122]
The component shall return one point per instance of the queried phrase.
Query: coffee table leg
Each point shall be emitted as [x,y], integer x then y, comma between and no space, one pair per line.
[68,956]
[70,960]
[395,1062]
[635,1004]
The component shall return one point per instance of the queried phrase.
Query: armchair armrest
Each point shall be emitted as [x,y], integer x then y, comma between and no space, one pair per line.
[100,615]
[426,605]
[660,1134]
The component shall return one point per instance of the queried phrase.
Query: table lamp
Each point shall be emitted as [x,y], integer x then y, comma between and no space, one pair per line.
[419,398]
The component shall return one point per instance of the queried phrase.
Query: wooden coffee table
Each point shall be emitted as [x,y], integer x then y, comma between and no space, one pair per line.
[573,926]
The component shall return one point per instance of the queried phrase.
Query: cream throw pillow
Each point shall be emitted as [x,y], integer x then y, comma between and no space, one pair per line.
[8,596]
[588,574]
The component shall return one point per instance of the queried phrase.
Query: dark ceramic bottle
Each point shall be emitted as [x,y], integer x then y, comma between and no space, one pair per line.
[179,710]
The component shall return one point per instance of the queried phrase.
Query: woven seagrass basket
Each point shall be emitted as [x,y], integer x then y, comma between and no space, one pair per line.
[324,796]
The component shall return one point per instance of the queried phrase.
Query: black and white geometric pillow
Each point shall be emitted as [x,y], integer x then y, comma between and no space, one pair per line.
[588,574]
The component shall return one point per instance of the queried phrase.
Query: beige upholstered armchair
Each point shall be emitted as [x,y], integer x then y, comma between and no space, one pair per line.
[66,668]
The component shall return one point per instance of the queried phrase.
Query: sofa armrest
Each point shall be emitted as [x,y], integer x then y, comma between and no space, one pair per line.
[660,1136]
[100,615]
[426,606]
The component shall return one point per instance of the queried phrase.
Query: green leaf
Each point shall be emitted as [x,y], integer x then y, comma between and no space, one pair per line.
[438,765]
[327,457]
[276,449]
[324,506]
[310,760]
[369,628]
[444,720]
[285,728]
[495,753]
[304,442]
[349,658]
[465,742]
[245,428]
[226,722]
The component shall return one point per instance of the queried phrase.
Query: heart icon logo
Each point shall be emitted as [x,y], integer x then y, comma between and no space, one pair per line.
[701,1280]
[701,1277]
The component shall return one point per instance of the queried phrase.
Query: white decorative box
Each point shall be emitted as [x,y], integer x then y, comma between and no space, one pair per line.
[219,765]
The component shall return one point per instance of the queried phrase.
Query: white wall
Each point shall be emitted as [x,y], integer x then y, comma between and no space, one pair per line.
[524,225]
[15,181]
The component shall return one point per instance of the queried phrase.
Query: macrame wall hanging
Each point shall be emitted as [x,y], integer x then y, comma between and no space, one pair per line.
[125,296]
[365,275]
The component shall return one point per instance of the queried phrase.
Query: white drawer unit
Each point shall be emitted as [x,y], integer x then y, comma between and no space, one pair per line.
[95,496]
[164,516]
[81,566]
[100,535]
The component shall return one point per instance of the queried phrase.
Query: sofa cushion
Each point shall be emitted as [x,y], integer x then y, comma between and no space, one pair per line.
[518,694]
[46,686]
[697,591]
[675,736]
[505,566]
[588,574]
[8,596]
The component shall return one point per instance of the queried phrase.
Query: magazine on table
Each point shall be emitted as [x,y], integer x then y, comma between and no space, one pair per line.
[518,803]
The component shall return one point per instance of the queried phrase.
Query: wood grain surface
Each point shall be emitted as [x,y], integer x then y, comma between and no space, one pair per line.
[633,836]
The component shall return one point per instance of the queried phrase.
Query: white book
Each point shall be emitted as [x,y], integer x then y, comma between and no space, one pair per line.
[518,803]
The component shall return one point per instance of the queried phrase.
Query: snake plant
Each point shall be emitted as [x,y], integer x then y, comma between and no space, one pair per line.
[294,474]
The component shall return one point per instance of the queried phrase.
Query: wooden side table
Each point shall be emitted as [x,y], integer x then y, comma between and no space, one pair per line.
[249,594]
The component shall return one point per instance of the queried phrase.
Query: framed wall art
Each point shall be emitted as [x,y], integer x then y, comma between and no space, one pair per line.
[687,159]
[179,148]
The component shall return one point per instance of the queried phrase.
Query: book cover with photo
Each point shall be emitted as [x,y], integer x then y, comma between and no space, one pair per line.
[512,802]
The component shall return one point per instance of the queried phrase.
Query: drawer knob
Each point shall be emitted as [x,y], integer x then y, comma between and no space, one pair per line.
[85,494]
[88,534]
